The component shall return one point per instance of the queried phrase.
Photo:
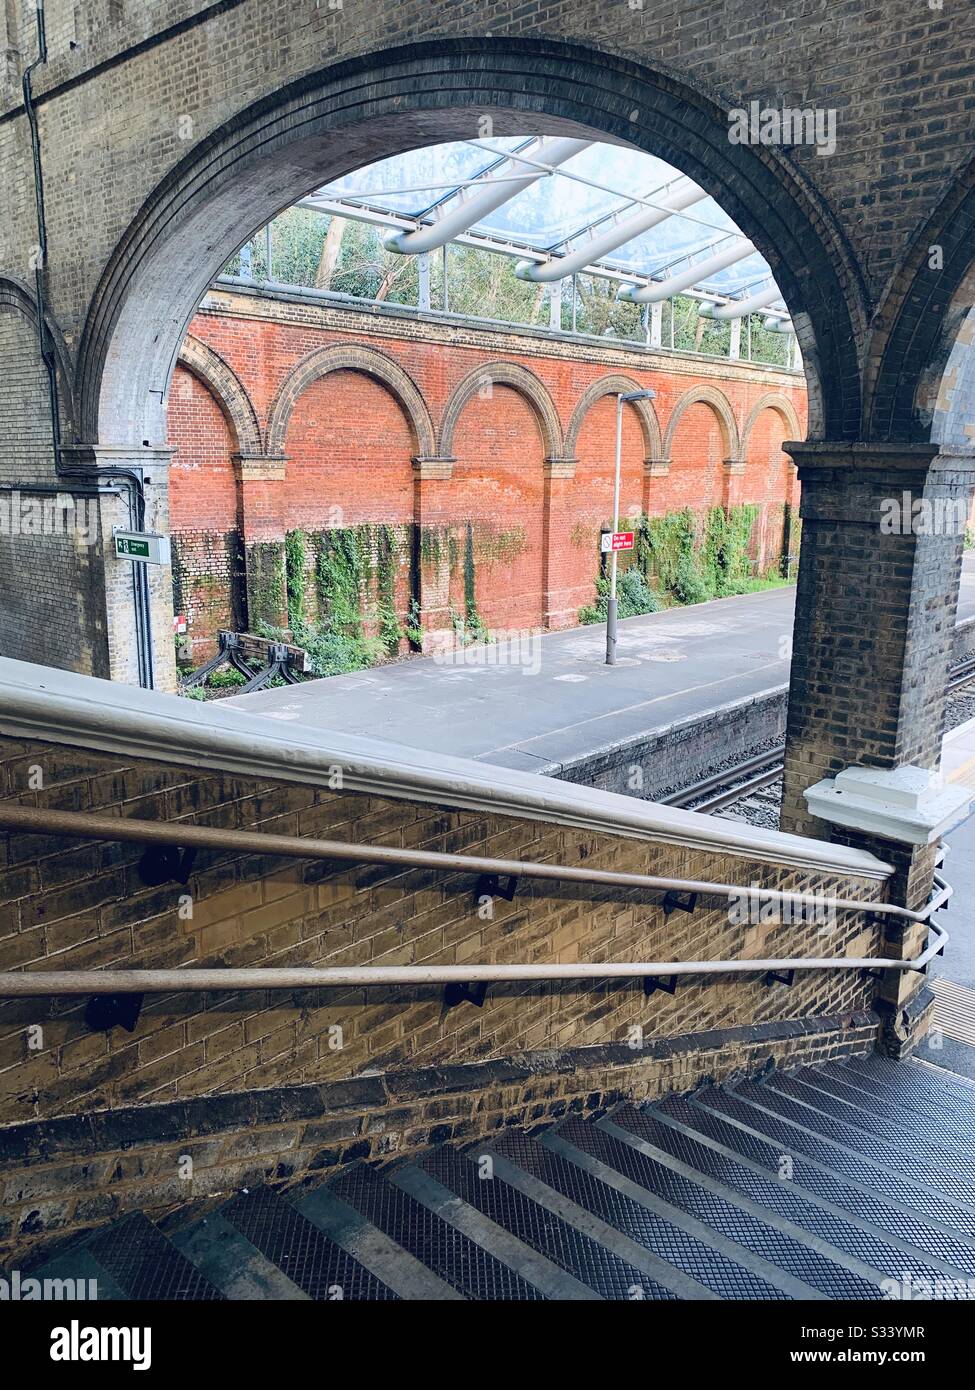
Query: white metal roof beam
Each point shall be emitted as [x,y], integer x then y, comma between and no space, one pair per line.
[656,292]
[740,308]
[470,207]
[682,195]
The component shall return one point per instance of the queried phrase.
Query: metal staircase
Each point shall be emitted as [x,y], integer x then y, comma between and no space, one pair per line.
[824,1183]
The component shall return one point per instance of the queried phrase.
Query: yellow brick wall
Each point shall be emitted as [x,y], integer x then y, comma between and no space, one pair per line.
[72,905]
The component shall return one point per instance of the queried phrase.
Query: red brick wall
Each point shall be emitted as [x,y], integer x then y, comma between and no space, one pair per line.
[204,500]
[351,441]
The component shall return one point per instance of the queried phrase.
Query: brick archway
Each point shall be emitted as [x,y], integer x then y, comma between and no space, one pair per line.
[227,390]
[519,379]
[368,108]
[16,296]
[783,407]
[719,404]
[923,321]
[614,386]
[355,358]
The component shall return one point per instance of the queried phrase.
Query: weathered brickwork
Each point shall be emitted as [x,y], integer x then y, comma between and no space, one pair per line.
[349,405]
[57,1176]
[86,906]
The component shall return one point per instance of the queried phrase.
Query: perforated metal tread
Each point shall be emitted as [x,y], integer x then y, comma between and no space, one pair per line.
[857,1201]
[145,1265]
[310,1259]
[894,1110]
[440,1246]
[910,1081]
[665,1240]
[928,1146]
[846,1237]
[779,1248]
[542,1230]
[929,1139]
[897,1157]
[901,1187]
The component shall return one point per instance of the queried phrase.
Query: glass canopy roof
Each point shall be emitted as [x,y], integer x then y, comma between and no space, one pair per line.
[560,210]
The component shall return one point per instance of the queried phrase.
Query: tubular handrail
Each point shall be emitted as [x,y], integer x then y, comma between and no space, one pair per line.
[41,821]
[34,983]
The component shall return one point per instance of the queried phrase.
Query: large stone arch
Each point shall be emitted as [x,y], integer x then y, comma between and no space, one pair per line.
[520,379]
[329,122]
[17,296]
[922,339]
[614,385]
[352,357]
[783,407]
[719,404]
[227,390]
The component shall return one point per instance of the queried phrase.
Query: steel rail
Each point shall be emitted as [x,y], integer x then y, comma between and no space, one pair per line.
[34,983]
[80,825]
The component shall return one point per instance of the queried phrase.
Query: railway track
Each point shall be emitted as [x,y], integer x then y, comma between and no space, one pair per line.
[724,788]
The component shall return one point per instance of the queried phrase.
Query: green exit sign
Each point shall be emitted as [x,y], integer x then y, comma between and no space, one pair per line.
[148,547]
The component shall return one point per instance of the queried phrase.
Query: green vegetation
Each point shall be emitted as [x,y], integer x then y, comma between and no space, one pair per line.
[679,559]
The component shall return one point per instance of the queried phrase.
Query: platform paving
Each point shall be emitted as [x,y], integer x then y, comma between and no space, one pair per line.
[540,703]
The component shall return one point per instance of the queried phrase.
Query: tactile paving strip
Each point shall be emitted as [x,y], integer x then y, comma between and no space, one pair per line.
[310,1259]
[890,1261]
[812,1179]
[441,1247]
[777,1247]
[146,1265]
[929,1141]
[571,1250]
[702,1263]
[850,1165]
[903,1160]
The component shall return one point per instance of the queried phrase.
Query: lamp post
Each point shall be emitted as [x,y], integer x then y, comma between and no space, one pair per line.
[624,398]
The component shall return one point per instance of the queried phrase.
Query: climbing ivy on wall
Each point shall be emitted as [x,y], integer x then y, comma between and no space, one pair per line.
[682,558]
[295,559]
[266,584]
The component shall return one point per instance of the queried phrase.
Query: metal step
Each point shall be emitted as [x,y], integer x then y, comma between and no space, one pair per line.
[590,1263]
[665,1239]
[288,1240]
[896,1158]
[441,1247]
[721,1210]
[821,1183]
[550,1281]
[143,1264]
[850,1252]
[895,1110]
[858,1203]
[867,1172]
[926,1141]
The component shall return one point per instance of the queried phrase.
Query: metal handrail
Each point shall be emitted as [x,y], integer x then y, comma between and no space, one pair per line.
[33,820]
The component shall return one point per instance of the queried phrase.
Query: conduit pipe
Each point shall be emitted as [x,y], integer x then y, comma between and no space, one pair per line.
[683,195]
[468,211]
[666,289]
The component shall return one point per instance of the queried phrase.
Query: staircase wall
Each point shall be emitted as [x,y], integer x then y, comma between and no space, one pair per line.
[65,905]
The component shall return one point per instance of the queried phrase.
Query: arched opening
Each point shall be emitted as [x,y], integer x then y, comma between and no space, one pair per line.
[269,156]
[675,453]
